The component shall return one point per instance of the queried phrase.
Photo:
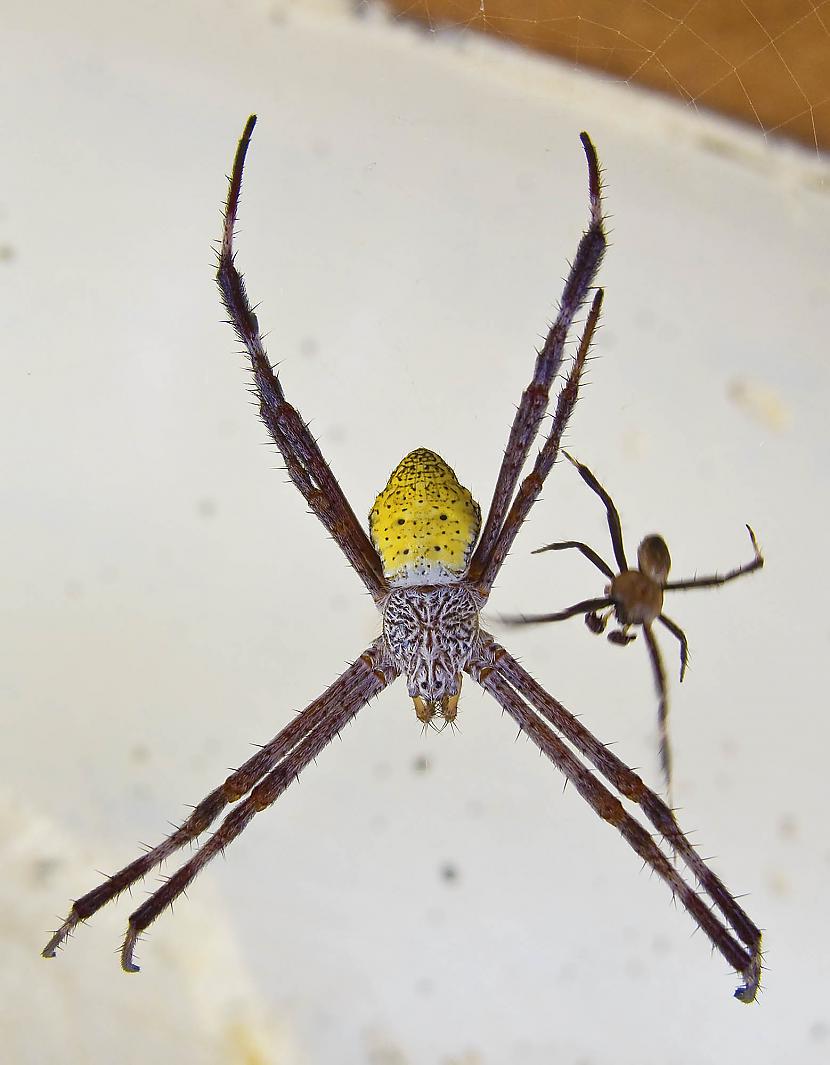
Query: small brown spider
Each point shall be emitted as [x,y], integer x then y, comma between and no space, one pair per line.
[430,574]
[635,597]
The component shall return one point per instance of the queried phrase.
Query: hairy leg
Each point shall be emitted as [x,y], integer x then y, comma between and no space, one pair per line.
[531,486]
[304,461]
[263,795]
[629,784]
[610,809]
[358,684]
[534,401]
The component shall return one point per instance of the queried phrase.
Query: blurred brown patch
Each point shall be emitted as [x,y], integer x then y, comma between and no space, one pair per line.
[766,62]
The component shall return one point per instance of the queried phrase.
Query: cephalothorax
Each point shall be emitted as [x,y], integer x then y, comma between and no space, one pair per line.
[430,573]
[635,597]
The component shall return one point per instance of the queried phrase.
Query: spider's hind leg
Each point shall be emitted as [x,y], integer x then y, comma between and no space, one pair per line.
[360,682]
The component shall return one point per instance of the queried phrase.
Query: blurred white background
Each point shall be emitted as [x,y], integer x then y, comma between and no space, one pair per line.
[411,203]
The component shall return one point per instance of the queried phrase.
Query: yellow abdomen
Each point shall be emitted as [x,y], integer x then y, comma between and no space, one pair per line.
[424,524]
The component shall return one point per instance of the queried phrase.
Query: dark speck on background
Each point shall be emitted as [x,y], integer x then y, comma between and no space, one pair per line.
[43,868]
[206,508]
[449,873]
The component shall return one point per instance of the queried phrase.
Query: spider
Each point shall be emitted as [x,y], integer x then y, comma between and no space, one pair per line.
[430,574]
[635,596]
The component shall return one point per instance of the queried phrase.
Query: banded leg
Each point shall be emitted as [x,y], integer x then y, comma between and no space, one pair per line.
[717,579]
[304,461]
[588,552]
[610,809]
[531,486]
[629,784]
[534,401]
[664,746]
[614,526]
[263,795]
[358,683]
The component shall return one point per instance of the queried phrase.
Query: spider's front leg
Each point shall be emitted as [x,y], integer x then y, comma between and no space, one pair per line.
[503,523]
[612,514]
[304,461]
[717,579]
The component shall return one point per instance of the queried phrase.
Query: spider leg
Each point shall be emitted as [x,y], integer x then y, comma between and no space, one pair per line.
[304,461]
[631,786]
[721,578]
[358,684]
[614,526]
[587,606]
[531,486]
[662,707]
[588,552]
[610,809]
[263,795]
[534,401]
[680,636]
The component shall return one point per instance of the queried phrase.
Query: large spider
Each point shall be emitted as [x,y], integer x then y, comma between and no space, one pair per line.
[635,597]
[430,580]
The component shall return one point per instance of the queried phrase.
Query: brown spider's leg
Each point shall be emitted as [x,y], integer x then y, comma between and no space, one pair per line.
[358,681]
[662,707]
[303,459]
[680,636]
[717,578]
[531,486]
[622,636]
[614,526]
[534,401]
[597,622]
[263,795]
[610,809]
[629,784]
[587,606]
[588,552]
